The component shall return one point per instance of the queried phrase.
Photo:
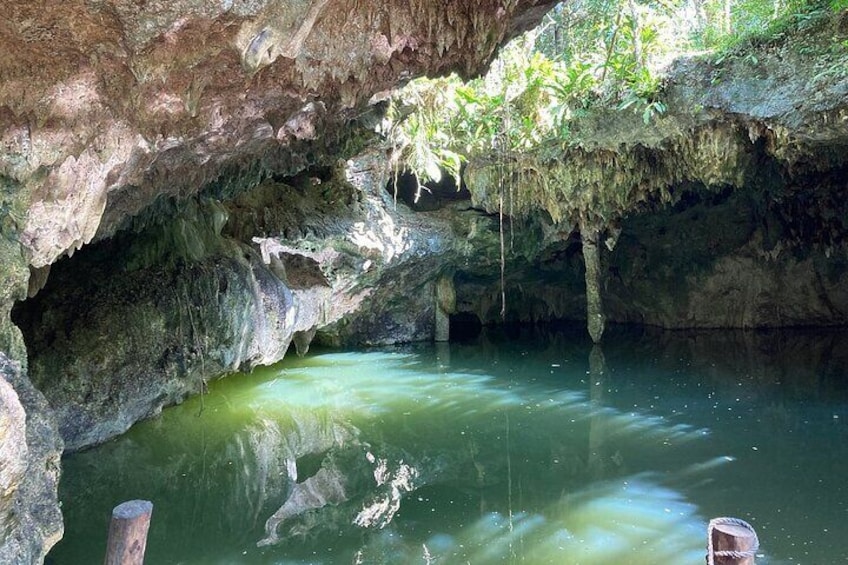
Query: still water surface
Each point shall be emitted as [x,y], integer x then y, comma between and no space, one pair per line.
[527,449]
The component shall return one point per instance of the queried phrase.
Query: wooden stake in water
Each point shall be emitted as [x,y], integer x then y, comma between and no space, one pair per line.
[731,542]
[128,533]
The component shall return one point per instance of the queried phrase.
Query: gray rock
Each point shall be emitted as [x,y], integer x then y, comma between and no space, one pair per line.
[30,449]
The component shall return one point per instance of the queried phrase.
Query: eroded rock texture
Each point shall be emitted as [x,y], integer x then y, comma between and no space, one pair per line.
[210,163]
[30,448]
[115,114]
[108,107]
[726,211]
[138,322]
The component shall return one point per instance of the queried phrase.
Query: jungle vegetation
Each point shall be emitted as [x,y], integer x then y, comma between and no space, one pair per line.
[586,56]
[513,132]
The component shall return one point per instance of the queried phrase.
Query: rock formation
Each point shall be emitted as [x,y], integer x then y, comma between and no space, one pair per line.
[30,448]
[115,114]
[189,187]
[725,211]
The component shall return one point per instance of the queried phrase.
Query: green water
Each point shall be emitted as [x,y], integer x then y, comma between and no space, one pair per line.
[509,450]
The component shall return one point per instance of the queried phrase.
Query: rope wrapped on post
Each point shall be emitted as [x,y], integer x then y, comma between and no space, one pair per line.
[738,555]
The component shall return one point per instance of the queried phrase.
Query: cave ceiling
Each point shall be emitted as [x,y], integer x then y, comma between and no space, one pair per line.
[106,106]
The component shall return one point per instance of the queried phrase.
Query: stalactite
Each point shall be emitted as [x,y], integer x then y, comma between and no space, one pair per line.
[595,318]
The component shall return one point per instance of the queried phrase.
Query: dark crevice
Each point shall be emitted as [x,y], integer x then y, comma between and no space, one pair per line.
[432,196]
[309,464]
[311,176]
[465,326]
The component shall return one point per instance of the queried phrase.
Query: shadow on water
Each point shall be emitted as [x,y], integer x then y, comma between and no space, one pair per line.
[516,449]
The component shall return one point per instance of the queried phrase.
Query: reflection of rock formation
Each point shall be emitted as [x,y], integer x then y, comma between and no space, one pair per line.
[327,486]
[636,521]
[597,421]
[332,447]
[270,452]
[395,483]
[343,477]
[234,473]
[797,363]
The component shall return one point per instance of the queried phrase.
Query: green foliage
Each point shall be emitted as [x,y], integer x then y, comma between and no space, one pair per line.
[759,22]
[422,134]
[588,56]
[527,100]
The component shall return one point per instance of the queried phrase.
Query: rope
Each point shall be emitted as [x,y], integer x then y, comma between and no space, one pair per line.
[711,554]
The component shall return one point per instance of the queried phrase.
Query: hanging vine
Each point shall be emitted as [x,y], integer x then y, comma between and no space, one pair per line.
[501,182]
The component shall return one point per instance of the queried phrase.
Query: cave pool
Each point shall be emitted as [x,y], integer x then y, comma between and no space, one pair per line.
[514,448]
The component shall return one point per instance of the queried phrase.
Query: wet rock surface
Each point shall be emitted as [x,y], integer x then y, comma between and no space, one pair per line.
[134,324]
[30,448]
[725,211]
[113,115]
[207,162]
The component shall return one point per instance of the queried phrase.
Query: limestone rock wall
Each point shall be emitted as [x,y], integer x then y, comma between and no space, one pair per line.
[725,211]
[104,106]
[712,260]
[718,263]
[138,322]
[30,449]
[108,108]
[109,355]
[114,114]
[197,157]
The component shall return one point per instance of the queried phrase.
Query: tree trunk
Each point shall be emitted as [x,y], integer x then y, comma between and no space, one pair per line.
[611,46]
[700,15]
[728,26]
[597,458]
[638,53]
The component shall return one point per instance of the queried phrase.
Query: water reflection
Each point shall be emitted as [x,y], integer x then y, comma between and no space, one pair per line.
[524,451]
[635,521]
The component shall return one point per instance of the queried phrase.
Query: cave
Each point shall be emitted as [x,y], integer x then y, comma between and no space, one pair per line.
[225,291]
[465,326]
[429,195]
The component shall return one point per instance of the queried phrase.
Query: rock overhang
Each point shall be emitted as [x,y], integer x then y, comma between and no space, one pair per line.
[106,106]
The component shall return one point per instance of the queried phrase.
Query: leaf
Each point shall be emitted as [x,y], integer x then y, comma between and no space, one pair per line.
[627,102]
[434,172]
[467,94]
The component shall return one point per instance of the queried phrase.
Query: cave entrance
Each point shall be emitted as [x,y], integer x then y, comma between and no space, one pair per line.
[465,326]
[431,195]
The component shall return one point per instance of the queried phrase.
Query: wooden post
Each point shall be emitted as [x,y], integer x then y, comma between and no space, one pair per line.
[732,542]
[128,533]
